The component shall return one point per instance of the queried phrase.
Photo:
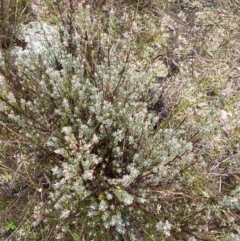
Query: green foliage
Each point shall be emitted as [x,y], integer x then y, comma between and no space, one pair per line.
[9,226]
[6,176]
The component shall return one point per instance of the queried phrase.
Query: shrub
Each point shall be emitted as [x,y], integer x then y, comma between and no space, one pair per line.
[84,133]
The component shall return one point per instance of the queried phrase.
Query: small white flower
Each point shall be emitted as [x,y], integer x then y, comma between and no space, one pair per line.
[86,147]
[95,139]
[58,151]
[167,225]
[88,175]
[129,201]
[55,170]
[11,97]
[102,205]
[67,130]
[95,160]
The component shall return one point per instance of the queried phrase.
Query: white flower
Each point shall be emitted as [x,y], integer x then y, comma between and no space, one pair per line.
[11,97]
[58,151]
[88,175]
[96,160]
[165,227]
[86,147]
[67,130]
[103,205]
[55,170]
[129,201]
[95,138]
[126,180]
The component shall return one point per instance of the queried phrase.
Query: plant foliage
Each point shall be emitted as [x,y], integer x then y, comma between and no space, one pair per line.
[100,145]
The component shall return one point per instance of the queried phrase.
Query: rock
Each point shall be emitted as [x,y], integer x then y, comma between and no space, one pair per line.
[35,37]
